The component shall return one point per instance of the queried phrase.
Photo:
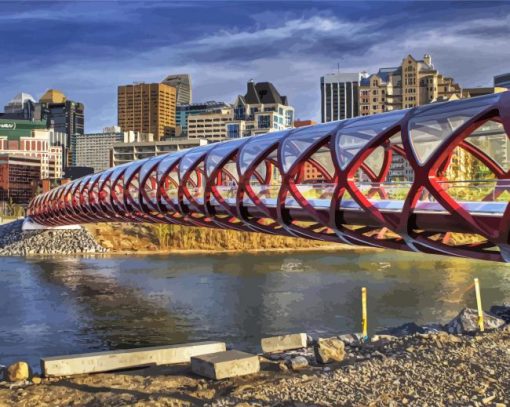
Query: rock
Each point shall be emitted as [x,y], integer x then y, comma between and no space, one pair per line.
[18,371]
[384,338]
[409,328]
[299,362]
[36,380]
[501,311]
[351,339]
[283,366]
[329,350]
[310,341]
[467,322]
[107,244]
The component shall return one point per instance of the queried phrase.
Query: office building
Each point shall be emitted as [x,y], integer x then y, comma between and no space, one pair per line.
[19,178]
[126,152]
[182,85]
[63,115]
[21,107]
[94,149]
[211,126]
[184,111]
[23,138]
[502,81]
[147,108]
[412,83]
[339,95]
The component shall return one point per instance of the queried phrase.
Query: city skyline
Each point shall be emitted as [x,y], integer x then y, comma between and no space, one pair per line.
[289,44]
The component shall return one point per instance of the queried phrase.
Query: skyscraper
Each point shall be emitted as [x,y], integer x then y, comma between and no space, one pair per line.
[147,108]
[182,84]
[339,96]
[63,115]
[21,107]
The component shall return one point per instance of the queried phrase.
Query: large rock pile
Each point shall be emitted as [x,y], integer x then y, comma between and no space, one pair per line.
[15,242]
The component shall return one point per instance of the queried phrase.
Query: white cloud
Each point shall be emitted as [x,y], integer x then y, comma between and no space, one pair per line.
[298,52]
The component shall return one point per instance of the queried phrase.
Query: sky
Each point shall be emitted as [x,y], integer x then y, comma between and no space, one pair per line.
[87,48]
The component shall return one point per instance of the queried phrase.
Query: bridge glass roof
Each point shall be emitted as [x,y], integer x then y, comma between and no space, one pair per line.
[432,125]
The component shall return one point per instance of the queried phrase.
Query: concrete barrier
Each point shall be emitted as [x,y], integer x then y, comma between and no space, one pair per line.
[223,365]
[283,342]
[124,359]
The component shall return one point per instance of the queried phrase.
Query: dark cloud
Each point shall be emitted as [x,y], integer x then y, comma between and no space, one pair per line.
[86,49]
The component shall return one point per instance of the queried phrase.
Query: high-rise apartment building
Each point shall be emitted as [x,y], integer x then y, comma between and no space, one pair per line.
[261,110]
[95,149]
[147,108]
[413,83]
[339,96]
[182,85]
[502,80]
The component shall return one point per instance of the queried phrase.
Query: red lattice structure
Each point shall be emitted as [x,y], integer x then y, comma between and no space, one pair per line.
[432,179]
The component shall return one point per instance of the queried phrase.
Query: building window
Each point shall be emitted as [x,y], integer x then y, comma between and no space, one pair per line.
[233,130]
[264,122]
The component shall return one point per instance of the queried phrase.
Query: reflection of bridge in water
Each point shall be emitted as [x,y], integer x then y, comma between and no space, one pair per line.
[434,179]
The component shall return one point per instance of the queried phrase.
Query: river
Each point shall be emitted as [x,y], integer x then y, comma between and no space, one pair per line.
[74,305]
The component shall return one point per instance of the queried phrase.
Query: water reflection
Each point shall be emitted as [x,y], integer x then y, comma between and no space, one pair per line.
[68,305]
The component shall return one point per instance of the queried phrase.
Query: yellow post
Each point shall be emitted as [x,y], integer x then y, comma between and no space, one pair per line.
[479,305]
[364,321]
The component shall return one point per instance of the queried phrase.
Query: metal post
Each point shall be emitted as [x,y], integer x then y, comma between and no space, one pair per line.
[364,321]
[479,305]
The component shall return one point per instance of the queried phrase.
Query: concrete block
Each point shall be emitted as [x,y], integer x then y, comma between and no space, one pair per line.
[126,358]
[283,343]
[227,364]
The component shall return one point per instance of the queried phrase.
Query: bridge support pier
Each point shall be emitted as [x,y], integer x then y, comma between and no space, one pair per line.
[30,224]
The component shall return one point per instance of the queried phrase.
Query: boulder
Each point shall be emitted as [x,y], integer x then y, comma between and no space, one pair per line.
[18,371]
[299,362]
[351,339]
[329,350]
[467,322]
[409,328]
[501,311]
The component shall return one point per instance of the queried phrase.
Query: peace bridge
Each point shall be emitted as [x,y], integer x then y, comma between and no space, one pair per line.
[432,179]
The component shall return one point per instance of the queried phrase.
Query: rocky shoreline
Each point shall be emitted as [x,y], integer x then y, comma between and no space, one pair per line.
[433,365]
[16,242]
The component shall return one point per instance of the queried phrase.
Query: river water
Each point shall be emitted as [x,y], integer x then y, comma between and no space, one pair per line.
[73,305]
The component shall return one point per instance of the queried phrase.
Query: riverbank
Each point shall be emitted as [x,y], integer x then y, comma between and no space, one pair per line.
[148,239]
[16,242]
[427,367]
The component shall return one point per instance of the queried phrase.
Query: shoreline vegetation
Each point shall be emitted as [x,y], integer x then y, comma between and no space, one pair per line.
[144,239]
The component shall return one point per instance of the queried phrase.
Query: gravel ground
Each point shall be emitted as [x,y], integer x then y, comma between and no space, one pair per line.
[15,242]
[432,369]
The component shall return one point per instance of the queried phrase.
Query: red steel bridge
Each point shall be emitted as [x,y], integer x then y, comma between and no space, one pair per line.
[433,179]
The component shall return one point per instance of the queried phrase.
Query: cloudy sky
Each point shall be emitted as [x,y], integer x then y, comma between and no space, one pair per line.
[87,48]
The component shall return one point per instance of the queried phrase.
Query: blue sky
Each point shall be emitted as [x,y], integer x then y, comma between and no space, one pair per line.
[88,48]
